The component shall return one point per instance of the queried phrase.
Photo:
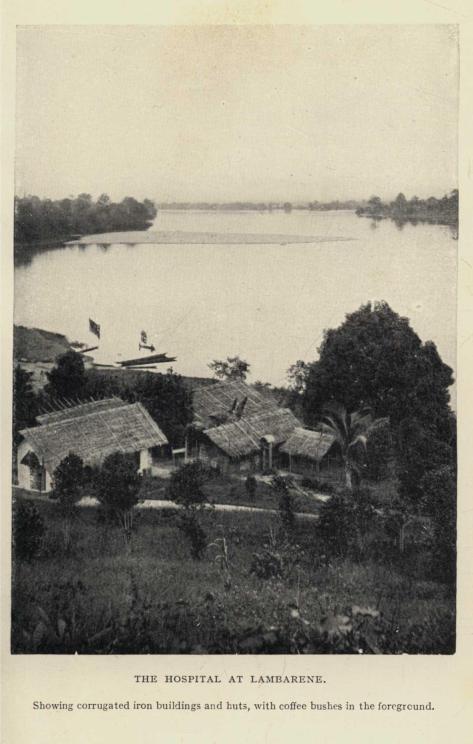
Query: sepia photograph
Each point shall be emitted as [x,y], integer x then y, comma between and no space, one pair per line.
[235,340]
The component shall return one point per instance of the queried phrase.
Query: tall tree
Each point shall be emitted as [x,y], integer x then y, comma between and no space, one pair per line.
[400,202]
[297,376]
[375,358]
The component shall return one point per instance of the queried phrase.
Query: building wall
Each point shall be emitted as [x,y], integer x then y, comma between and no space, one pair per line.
[146,460]
[23,470]
[48,485]
[213,456]
[25,474]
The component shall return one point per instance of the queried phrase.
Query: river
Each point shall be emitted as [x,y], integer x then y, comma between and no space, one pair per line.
[268,303]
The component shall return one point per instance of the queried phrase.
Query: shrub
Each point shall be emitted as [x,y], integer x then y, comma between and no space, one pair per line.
[68,479]
[277,558]
[117,487]
[28,530]
[186,489]
[190,524]
[186,484]
[250,486]
[286,502]
[267,564]
[314,484]
[345,522]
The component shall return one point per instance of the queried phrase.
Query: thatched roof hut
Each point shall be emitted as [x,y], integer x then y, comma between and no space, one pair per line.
[243,437]
[226,401]
[309,444]
[92,431]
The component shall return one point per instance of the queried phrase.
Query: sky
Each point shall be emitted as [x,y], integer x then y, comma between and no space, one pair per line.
[222,113]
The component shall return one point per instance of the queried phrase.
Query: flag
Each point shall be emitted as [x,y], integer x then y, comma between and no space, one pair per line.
[144,337]
[94,328]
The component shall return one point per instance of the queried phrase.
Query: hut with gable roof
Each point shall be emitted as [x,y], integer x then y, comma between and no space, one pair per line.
[92,431]
[308,451]
[236,428]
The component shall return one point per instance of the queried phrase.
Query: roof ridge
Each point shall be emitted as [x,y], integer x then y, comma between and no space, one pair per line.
[77,418]
[255,417]
[113,399]
[220,384]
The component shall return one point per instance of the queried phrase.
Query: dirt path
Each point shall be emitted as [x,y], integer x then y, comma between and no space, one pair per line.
[162,504]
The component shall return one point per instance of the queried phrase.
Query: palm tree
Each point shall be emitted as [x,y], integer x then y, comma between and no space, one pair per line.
[351,431]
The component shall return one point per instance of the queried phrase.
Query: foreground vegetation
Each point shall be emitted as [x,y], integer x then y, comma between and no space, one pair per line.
[254,591]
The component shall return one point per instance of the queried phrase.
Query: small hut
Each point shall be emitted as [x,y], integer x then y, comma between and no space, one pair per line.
[306,450]
[247,444]
[92,431]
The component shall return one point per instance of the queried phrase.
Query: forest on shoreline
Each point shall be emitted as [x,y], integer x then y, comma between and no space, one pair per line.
[442,211]
[38,220]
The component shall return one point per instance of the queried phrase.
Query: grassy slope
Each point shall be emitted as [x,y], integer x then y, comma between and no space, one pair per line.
[37,345]
[155,598]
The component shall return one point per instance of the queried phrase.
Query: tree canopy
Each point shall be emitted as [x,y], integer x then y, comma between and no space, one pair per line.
[41,219]
[375,358]
[232,368]
[297,376]
[25,404]
[443,211]
[67,378]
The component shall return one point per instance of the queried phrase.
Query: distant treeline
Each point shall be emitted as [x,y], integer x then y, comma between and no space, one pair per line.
[263,206]
[336,204]
[40,220]
[442,211]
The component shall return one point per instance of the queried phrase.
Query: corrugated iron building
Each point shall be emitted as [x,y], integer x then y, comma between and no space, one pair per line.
[92,431]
